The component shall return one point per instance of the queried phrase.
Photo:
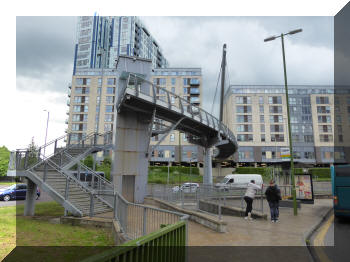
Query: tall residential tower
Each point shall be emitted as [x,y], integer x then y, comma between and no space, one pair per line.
[101,39]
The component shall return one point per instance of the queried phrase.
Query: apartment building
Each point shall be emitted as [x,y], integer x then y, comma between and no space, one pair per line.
[101,39]
[258,117]
[92,98]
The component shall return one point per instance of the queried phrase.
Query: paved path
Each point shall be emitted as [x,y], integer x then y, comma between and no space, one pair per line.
[290,231]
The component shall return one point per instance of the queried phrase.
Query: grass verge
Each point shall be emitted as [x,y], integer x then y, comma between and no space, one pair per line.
[40,231]
[159,177]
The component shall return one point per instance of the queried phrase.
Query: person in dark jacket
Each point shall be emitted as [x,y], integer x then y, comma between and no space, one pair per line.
[273,196]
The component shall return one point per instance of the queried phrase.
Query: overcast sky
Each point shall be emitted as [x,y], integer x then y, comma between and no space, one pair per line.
[45,49]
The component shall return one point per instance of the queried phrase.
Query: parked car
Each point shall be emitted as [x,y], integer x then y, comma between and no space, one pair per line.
[14,192]
[186,188]
[239,181]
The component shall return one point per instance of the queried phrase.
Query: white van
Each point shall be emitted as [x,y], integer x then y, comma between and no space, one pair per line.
[239,180]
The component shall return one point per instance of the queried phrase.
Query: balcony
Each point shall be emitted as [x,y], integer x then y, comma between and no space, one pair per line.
[68,102]
[66,121]
[70,85]
[67,112]
[194,100]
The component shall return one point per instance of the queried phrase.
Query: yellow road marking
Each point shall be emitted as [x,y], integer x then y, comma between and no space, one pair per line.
[319,241]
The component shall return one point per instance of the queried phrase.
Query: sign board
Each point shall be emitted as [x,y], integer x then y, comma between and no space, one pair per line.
[304,187]
[285,154]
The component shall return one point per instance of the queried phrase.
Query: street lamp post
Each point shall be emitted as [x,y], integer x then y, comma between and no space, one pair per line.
[47,126]
[288,114]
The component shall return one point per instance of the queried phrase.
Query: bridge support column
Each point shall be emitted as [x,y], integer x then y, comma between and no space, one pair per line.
[208,170]
[29,206]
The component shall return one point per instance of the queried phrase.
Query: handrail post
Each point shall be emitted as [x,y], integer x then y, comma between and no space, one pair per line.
[39,151]
[91,205]
[66,193]
[45,171]
[115,207]
[144,229]
[54,151]
[26,159]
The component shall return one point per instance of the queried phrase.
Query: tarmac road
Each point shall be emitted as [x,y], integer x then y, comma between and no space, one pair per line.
[332,240]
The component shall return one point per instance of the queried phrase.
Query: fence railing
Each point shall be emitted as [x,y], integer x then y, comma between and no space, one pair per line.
[188,198]
[165,244]
[136,220]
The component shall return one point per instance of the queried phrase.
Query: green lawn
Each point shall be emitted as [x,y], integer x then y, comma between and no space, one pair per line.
[39,231]
[160,177]
[7,183]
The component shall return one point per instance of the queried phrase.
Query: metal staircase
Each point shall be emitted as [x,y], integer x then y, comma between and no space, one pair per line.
[59,173]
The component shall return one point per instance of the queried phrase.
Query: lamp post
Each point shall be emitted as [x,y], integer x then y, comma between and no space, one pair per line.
[47,126]
[288,114]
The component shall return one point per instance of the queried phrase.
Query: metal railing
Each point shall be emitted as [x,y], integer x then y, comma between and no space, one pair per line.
[137,220]
[175,102]
[166,244]
[189,198]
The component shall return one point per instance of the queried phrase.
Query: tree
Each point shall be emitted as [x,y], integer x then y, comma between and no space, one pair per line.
[4,160]
[33,152]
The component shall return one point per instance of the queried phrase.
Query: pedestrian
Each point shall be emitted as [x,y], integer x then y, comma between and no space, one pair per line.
[37,193]
[249,198]
[273,196]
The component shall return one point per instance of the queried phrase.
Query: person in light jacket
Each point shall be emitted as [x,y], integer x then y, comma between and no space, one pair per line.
[249,198]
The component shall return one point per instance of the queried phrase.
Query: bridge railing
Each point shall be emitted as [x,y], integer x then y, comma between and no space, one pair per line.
[174,101]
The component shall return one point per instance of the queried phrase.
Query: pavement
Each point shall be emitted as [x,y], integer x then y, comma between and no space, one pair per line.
[289,231]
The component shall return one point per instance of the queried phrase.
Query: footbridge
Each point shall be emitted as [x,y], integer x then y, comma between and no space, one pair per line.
[143,110]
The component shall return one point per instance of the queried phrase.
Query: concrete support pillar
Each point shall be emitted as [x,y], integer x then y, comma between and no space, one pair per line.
[29,206]
[208,172]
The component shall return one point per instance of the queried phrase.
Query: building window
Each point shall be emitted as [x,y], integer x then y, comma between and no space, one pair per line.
[262,119]
[275,100]
[307,119]
[245,155]
[278,128]
[82,90]
[100,82]
[263,138]
[338,118]
[340,138]
[306,110]
[245,137]
[326,138]
[244,128]
[323,109]
[109,109]
[185,90]
[327,155]
[262,128]
[109,99]
[261,109]
[324,119]
[277,138]
[309,155]
[173,81]
[325,128]
[108,127]
[276,119]
[308,139]
[80,109]
[111,81]
[244,118]
[322,100]
[82,81]
[292,100]
[184,137]
[339,129]
[172,137]
[110,90]
[243,109]
[261,100]
[79,118]
[243,100]
[109,118]
[275,109]
[173,90]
